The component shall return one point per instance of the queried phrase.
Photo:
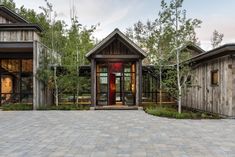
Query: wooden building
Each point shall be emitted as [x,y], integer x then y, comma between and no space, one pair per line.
[20,51]
[116,71]
[117,74]
[213,81]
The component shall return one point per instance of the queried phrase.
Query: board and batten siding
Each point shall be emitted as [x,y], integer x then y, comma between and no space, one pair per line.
[203,95]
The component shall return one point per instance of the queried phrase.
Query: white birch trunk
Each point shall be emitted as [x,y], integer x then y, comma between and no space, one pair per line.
[56,87]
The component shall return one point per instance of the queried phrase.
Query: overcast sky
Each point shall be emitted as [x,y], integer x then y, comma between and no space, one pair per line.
[111,14]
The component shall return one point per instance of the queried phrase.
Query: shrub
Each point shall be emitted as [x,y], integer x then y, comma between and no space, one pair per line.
[16,107]
[171,112]
[65,107]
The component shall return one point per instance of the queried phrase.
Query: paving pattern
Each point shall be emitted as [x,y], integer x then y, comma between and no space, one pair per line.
[112,134]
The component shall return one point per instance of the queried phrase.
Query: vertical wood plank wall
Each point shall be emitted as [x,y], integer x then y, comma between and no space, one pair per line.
[18,36]
[203,95]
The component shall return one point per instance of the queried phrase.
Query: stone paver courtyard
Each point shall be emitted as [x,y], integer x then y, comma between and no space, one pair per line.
[112,133]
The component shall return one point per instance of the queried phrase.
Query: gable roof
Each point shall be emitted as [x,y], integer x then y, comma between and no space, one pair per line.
[196,48]
[11,15]
[110,36]
[17,22]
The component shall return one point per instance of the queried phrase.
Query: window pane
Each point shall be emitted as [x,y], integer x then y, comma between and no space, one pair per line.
[10,65]
[102,84]
[102,99]
[102,68]
[27,65]
[214,77]
[26,98]
[27,84]
[6,84]
[127,84]
[10,98]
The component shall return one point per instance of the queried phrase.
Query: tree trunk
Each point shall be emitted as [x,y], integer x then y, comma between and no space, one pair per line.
[56,87]
[160,94]
[177,58]
[178,82]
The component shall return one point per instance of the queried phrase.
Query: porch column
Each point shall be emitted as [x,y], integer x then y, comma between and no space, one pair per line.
[140,81]
[137,84]
[93,82]
[35,81]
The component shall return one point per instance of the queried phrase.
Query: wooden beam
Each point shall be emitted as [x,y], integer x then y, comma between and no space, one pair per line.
[117,56]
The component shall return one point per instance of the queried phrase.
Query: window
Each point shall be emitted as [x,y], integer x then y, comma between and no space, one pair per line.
[215,77]
[102,84]
[16,81]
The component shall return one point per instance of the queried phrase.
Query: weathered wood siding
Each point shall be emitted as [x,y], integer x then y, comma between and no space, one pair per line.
[203,95]
[233,87]
[4,20]
[116,47]
[18,35]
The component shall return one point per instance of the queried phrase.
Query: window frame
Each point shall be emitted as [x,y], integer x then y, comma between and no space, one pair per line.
[213,72]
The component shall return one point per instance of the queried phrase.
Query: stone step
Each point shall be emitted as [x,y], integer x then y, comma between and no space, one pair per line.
[116,107]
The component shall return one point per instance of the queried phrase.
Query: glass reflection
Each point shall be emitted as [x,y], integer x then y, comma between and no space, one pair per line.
[16,80]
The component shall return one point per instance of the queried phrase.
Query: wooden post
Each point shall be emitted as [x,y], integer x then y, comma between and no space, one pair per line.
[93,82]
[140,82]
[35,81]
[137,84]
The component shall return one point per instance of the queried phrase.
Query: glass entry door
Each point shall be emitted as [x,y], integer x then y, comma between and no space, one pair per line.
[116,83]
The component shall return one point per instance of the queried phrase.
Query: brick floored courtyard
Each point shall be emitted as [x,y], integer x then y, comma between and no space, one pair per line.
[112,133]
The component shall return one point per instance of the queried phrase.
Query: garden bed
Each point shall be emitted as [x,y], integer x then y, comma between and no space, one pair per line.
[23,107]
[16,107]
[170,111]
[66,107]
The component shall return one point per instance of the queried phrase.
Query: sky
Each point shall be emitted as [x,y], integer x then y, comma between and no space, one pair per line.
[215,15]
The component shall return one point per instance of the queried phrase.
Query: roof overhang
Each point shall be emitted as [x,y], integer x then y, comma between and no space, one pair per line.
[20,26]
[226,49]
[8,47]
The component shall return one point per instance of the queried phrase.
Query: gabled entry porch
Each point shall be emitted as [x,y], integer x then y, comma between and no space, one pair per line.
[116,71]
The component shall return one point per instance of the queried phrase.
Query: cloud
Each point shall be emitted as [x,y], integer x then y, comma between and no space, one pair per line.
[221,23]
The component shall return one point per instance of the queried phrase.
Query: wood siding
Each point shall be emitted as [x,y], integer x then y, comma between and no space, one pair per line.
[4,20]
[18,36]
[116,47]
[203,95]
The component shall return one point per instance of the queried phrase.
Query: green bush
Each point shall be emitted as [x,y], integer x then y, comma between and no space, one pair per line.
[171,112]
[65,107]
[16,107]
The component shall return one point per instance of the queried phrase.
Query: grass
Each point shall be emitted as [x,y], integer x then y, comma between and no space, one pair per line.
[16,107]
[171,112]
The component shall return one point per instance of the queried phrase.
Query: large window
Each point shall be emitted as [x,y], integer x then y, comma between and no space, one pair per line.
[16,81]
[129,84]
[102,84]
[149,86]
